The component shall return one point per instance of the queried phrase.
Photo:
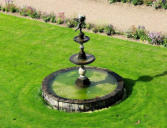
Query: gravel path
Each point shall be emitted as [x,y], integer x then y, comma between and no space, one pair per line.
[122,16]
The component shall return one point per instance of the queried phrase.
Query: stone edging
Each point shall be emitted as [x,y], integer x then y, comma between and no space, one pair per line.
[75,105]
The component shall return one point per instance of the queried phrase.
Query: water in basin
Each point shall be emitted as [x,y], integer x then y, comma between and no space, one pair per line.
[102,83]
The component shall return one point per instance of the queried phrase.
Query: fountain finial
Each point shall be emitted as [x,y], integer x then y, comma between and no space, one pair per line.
[81,21]
[80,26]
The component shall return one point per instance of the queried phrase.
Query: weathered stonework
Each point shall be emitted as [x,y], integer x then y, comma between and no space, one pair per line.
[74,105]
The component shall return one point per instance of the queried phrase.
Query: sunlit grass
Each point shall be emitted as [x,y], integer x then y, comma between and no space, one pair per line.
[30,50]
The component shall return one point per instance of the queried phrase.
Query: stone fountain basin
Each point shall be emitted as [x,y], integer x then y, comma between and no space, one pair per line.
[60,92]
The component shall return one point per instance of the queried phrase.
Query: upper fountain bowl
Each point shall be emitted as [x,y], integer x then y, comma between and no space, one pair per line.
[89,59]
[80,40]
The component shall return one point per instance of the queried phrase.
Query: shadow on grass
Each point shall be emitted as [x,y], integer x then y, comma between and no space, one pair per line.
[129,83]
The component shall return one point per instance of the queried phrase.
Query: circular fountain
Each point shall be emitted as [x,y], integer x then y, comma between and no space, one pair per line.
[81,89]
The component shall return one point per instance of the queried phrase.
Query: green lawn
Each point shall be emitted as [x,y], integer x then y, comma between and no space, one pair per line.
[30,50]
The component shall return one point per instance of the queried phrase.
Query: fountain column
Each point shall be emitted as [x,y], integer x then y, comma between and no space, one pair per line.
[82,58]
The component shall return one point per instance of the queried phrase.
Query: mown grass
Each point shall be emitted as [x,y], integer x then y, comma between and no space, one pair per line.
[30,50]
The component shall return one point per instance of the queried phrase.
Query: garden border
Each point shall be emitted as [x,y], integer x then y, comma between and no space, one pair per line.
[139,34]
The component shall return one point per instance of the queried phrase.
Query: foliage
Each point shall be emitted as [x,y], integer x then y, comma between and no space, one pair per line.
[165,42]
[49,17]
[137,2]
[164,4]
[128,1]
[53,18]
[33,13]
[130,33]
[60,21]
[60,18]
[141,33]
[112,1]
[133,32]
[156,38]
[148,2]
[23,11]
[100,28]
[89,26]
[137,33]
[123,1]
[29,11]
[157,4]
[109,30]
[71,23]
[95,29]
[46,17]
[3,9]
[9,7]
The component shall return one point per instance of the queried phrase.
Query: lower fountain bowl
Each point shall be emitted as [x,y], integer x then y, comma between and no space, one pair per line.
[60,92]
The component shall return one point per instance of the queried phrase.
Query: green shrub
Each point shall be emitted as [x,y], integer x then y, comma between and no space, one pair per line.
[154,3]
[46,17]
[112,1]
[128,1]
[0,7]
[53,18]
[109,30]
[89,26]
[12,8]
[141,33]
[157,4]
[61,18]
[35,15]
[100,29]
[60,21]
[71,23]
[3,9]
[137,33]
[148,2]
[165,42]
[137,2]
[131,32]
[123,1]
[23,11]
[134,2]
[164,5]
[29,11]
[95,29]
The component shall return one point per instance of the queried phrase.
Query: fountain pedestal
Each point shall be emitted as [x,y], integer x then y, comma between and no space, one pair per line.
[82,81]
[82,59]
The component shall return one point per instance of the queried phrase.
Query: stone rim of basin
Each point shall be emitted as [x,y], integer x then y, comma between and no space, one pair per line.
[46,90]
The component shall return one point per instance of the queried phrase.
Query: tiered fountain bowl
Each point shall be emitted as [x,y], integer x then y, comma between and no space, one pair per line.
[69,91]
